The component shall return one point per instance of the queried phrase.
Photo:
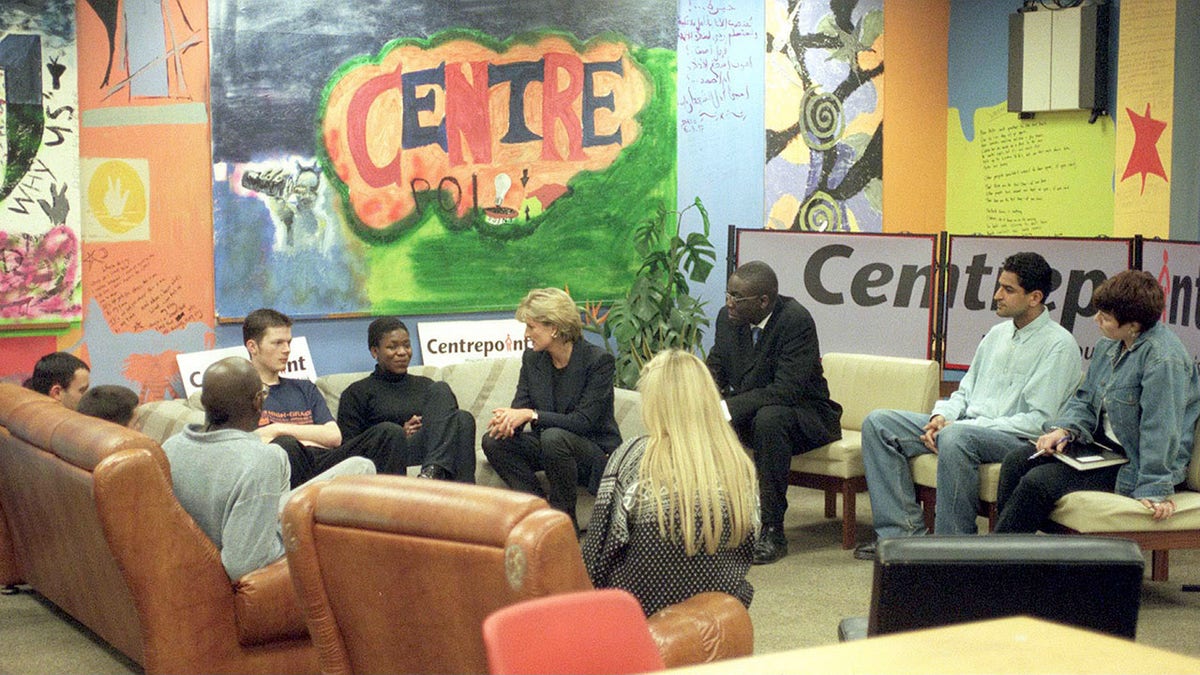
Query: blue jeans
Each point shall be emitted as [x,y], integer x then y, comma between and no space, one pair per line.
[891,437]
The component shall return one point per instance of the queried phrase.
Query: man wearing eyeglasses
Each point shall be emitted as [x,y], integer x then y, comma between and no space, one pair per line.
[766,363]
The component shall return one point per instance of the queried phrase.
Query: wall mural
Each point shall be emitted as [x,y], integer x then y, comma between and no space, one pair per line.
[824,115]
[1048,176]
[39,165]
[144,190]
[434,160]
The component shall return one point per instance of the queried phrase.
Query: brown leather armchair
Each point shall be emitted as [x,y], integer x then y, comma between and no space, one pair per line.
[96,529]
[397,574]
[8,559]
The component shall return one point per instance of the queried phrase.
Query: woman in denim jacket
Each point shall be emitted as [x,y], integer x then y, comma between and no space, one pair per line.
[1141,397]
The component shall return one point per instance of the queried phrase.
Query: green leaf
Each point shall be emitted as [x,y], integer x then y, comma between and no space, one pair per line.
[657,312]
[870,27]
[700,270]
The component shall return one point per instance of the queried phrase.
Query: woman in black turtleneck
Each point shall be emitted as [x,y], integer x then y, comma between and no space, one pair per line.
[440,437]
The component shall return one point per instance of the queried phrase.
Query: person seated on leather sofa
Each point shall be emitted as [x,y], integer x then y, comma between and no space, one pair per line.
[295,415]
[61,376]
[228,479]
[111,402]
[437,434]
[677,510]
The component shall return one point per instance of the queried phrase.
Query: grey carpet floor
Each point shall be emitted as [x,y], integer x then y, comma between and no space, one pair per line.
[798,602]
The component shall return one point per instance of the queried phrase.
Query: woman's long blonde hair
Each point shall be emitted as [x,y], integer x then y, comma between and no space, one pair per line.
[694,468]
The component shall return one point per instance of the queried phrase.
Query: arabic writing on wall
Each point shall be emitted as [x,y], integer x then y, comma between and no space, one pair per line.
[715,43]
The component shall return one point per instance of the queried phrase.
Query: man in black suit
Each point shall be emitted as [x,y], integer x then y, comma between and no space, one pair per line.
[767,364]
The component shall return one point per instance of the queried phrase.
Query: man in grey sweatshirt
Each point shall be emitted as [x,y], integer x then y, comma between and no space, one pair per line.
[227,478]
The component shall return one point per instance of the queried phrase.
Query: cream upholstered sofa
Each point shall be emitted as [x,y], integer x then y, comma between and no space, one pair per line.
[1112,515]
[480,386]
[924,473]
[861,383]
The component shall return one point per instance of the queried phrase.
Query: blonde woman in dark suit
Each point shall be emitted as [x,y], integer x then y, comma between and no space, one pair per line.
[561,418]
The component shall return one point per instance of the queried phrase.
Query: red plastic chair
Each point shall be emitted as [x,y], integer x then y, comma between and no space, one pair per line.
[598,631]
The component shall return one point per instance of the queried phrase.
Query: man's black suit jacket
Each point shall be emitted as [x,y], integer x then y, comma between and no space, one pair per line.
[587,387]
[783,369]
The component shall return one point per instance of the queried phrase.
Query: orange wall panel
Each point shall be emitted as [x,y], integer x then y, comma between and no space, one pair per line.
[915,101]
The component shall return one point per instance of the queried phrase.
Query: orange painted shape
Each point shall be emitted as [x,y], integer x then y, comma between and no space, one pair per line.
[914,116]
[477,122]
[21,353]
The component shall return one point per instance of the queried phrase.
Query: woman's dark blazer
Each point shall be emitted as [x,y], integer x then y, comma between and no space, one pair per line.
[588,390]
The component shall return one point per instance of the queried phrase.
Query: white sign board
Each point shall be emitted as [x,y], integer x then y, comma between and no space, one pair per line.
[193,365]
[447,342]
[1080,265]
[867,293]
[1176,265]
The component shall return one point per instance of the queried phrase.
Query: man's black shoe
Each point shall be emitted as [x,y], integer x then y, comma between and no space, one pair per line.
[435,472]
[771,545]
[865,551]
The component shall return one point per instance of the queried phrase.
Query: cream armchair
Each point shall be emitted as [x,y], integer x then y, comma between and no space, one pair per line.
[861,383]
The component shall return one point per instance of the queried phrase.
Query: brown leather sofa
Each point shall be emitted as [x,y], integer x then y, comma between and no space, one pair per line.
[9,575]
[397,575]
[93,525]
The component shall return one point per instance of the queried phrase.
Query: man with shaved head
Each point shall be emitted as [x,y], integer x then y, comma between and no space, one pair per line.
[227,478]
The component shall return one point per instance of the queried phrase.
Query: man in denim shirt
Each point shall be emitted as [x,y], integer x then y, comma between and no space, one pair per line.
[1023,371]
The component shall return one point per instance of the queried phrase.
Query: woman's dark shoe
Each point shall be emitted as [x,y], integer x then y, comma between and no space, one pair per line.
[435,472]
[865,551]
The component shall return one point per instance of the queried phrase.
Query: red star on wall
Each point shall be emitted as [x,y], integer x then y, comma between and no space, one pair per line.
[1144,159]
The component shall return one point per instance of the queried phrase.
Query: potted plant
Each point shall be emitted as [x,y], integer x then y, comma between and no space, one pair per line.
[658,313]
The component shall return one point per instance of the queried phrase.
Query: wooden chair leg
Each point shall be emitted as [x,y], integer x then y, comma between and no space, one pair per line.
[830,503]
[849,516]
[1159,564]
[928,508]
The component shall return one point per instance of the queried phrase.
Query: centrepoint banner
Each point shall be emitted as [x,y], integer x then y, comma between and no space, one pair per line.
[447,342]
[867,293]
[1176,265]
[193,364]
[1080,265]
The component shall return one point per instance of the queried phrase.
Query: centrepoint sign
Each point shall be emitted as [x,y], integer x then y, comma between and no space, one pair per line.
[876,293]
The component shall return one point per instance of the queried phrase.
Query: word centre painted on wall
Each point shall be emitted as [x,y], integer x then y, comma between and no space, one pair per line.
[488,125]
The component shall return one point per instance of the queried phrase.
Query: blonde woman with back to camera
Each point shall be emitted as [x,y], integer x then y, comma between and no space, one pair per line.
[677,511]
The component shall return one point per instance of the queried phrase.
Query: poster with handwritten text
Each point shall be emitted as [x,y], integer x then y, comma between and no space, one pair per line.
[1044,177]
